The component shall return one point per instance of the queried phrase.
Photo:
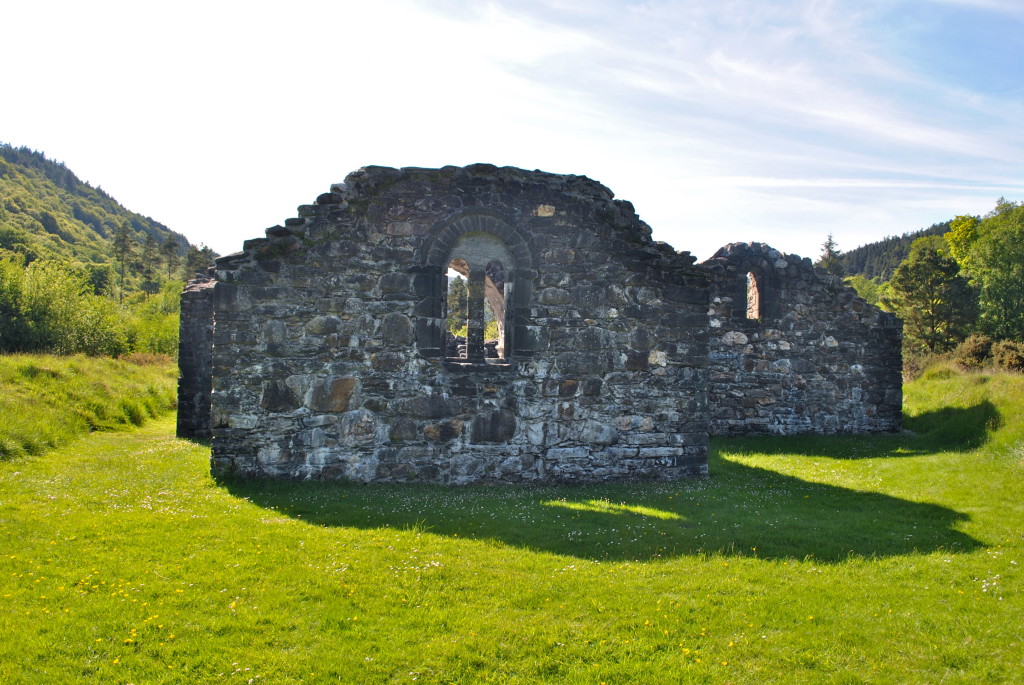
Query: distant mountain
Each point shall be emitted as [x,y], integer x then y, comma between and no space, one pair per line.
[46,212]
[881,259]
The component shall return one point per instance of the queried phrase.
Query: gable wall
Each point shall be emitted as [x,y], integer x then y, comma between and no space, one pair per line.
[327,339]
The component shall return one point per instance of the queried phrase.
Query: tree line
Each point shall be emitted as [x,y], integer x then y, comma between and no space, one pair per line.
[49,307]
[959,290]
[155,261]
[880,259]
[60,307]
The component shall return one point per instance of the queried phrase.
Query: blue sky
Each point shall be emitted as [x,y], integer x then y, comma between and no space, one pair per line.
[720,120]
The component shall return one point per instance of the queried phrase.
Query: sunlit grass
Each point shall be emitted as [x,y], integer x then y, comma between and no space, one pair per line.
[603,506]
[885,559]
[46,401]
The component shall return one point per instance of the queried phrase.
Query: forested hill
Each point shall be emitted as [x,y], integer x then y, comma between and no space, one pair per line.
[881,259]
[47,213]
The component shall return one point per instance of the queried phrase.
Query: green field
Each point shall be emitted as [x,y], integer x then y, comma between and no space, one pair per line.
[886,559]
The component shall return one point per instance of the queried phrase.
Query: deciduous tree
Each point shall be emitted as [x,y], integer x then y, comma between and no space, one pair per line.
[936,303]
[991,252]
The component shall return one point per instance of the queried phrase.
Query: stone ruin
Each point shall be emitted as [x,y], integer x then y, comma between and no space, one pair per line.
[324,350]
[794,350]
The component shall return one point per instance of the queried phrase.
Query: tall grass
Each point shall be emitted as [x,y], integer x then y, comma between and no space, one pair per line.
[46,401]
[883,559]
[968,409]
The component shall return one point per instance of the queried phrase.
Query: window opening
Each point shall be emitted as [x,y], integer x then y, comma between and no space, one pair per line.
[477,290]
[753,297]
[457,320]
[494,310]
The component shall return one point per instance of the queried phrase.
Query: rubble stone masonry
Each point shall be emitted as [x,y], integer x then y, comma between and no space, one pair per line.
[616,357]
[811,358]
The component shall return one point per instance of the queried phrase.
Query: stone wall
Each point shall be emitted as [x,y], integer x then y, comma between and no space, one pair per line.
[798,353]
[615,356]
[195,358]
[329,345]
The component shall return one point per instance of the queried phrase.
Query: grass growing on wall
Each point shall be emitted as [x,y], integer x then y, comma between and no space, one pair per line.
[46,401]
[885,559]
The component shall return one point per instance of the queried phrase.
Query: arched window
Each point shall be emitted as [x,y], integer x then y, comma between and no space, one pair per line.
[476,281]
[754,311]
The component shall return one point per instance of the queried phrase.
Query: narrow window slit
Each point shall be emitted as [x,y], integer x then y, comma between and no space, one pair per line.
[753,298]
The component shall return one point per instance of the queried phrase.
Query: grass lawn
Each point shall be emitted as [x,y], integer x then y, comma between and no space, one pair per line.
[885,559]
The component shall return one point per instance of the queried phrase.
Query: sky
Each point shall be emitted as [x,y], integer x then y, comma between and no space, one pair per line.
[720,120]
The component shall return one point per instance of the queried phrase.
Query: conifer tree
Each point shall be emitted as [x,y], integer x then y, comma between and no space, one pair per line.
[197,259]
[124,249]
[150,264]
[169,252]
[458,298]
[831,258]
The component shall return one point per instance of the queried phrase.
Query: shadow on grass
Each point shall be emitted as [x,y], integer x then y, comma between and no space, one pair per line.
[946,429]
[954,427]
[739,511]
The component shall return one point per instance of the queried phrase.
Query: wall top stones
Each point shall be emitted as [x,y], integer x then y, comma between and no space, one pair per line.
[788,283]
[527,197]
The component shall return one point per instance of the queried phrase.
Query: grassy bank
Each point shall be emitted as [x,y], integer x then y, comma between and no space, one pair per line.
[46,401]
[887,559]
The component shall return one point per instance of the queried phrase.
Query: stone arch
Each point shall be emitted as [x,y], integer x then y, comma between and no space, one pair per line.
[451,229]
[482,258]
[500,267]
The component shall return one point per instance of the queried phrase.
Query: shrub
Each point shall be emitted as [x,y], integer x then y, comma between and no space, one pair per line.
[50,307]
[1009,355]
[153,321]
[939,370]
[973,352]
[915,362]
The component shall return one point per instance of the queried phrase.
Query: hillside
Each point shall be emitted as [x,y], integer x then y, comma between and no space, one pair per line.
[880,259]
[48,213]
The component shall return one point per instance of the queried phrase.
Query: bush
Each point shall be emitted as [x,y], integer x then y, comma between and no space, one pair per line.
[973,352]
[50,307]
[153,321]
[1009,355]
[915,362]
